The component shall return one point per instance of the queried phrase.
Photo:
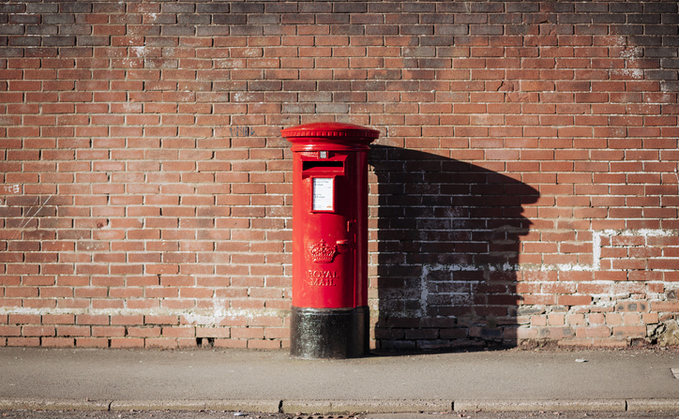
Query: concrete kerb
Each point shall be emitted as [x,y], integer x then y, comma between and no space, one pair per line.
[56,404]
[540,405]
[325,407]
[653,405]
[262,406]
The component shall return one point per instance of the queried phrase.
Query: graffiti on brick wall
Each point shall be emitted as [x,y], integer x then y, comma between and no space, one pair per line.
[30,211]
[10,189]
[242,131]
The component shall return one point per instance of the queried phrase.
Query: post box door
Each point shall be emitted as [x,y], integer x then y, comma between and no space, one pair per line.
[324,256]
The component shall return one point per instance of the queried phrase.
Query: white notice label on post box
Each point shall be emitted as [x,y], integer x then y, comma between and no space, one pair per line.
[323,191]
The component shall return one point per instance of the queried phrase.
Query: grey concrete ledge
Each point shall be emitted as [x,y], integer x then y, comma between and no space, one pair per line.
[653,405]
[540,405]
[325,407]
[263,406]
[54,404]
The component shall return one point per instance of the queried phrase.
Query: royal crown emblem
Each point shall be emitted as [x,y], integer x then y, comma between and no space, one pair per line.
[322,252]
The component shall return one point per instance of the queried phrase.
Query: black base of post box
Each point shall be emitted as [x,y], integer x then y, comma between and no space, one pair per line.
[330,332]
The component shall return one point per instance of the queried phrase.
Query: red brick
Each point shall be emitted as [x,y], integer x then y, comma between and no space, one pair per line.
[10,331]
[108,331]
[58,342]
[127,343]
[38,331]
[145,332]
[21,341]
[264,344]
[58,319]
[89,319]
[91,342]
[247,333]
[630,331]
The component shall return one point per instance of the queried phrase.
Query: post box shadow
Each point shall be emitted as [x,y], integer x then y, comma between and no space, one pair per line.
[448,242]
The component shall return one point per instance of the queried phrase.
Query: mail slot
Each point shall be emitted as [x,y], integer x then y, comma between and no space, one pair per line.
[330,316]
[308,166]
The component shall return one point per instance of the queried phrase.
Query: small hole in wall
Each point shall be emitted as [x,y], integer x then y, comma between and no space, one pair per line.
[205,342]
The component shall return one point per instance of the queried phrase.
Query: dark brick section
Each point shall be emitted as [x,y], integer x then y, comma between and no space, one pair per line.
[524,186]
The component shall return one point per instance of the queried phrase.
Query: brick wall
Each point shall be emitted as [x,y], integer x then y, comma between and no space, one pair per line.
[524,186]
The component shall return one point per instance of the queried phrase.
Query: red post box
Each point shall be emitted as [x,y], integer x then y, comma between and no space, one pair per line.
[330,316]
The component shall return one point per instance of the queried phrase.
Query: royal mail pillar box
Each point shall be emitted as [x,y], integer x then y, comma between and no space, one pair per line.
[330,317]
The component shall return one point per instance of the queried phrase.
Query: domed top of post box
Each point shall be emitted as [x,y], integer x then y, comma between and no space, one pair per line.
[329,136]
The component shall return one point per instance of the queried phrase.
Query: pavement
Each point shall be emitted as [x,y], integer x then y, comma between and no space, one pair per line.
[273,382]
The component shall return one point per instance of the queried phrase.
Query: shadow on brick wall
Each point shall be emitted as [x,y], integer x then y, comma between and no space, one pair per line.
[448,242]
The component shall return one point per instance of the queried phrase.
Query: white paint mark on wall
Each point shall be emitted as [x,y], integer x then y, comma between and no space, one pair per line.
[424,289]
[209,317]
[11,189]
[195,317]
[138,51]
[596,249]
[467,297]
[131,107]
[631,73]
